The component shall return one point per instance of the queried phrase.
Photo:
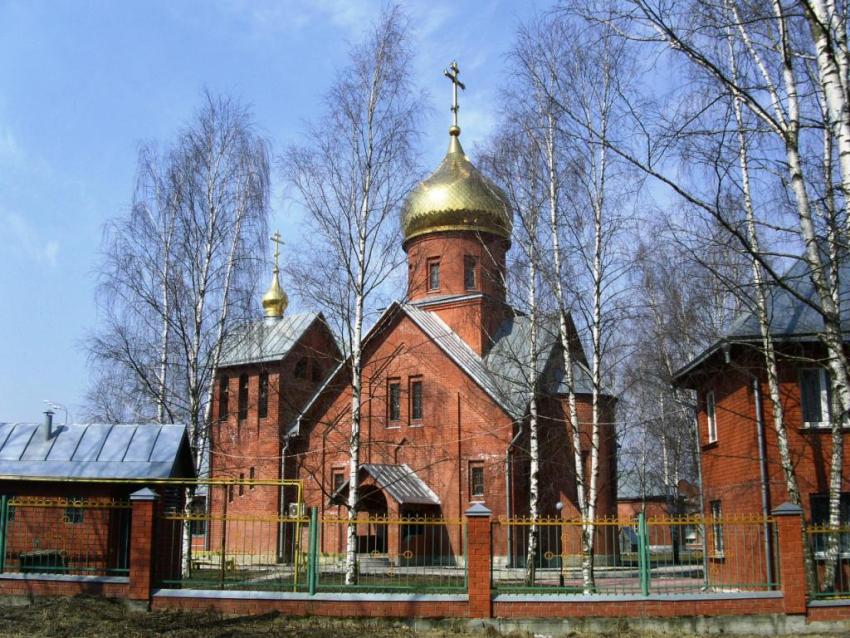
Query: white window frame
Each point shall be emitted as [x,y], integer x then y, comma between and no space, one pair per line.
[825,407]
[717,541]
[711,416]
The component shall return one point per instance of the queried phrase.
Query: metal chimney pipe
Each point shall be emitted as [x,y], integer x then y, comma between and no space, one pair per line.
[48,425]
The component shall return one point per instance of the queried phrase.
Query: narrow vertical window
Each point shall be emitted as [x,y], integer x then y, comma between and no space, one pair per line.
[394,401]
[469,279]
[416,400]
[815,397]
[337,481]
[243,397]
[230,493]
[433,274]
[263,399]
[476,480]
[717,527]
[251,476]
[241,484]
[223,396]
[711,417]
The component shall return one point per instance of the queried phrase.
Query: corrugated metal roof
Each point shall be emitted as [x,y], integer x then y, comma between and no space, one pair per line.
[265,340]
[93,451]
[402,483]
[399,481]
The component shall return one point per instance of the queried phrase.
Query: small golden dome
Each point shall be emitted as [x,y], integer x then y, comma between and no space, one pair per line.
[275,300]
[456,197]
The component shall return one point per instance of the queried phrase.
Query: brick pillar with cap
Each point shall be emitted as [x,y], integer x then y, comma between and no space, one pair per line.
[142,543]
[792,568]
[478,560]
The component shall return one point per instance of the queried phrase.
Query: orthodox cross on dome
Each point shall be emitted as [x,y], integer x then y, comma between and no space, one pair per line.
[452,73]
[278,242]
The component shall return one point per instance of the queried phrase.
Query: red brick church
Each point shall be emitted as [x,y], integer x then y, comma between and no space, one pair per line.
[444,402]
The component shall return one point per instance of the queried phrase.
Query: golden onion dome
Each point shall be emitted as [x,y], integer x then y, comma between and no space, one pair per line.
[456,197]
[275,300]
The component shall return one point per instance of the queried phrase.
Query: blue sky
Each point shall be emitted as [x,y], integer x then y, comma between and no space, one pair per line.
[82,84]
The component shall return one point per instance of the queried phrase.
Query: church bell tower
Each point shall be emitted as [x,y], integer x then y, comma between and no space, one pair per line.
[457,231]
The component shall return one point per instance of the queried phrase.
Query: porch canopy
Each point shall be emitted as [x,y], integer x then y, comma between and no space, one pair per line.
[398,481]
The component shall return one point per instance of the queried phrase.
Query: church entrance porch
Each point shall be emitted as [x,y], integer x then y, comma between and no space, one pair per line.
[399,524]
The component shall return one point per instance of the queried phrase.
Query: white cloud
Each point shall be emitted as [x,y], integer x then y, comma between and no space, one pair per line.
[27,241]
[10,151]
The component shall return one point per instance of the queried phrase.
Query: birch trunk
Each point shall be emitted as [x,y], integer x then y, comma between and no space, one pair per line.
[533,434]
[356,367]
[768,350]
[573,426]
[831,337]
[829,36]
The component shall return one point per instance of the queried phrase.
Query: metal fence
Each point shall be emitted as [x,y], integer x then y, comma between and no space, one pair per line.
[308,553]
[231,537]
[414,554]
[641,556]
[71,536]
[834,542]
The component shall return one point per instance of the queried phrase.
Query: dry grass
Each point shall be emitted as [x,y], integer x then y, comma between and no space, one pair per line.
[100,618]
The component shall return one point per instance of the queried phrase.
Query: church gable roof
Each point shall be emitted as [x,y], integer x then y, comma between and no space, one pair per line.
[264,341]
[502,374]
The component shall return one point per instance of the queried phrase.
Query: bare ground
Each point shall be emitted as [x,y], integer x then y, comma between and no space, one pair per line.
[100,618]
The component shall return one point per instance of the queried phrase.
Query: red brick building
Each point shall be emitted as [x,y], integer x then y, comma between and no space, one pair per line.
[741,470]
[64,492]
[445,378]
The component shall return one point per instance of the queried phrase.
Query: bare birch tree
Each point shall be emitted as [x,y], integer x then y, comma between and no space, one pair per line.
[584,264]
[752,58]
[351,177]
[513,159]
[180,272]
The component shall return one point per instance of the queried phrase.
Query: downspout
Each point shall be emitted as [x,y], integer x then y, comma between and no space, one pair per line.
[509,489]
[460,480]
[701,499]
[282,526]
[765,497]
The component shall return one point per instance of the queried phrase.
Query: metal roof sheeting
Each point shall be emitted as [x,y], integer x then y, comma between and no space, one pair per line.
[265,340]
[791,317]
[93,451]
[402,483]
[399,481]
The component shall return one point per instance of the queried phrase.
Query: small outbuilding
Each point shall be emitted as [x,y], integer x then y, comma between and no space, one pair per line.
[64,491]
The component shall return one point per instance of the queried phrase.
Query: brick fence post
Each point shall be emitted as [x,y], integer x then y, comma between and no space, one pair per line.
[142,544]
[478,561]
[792,569]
